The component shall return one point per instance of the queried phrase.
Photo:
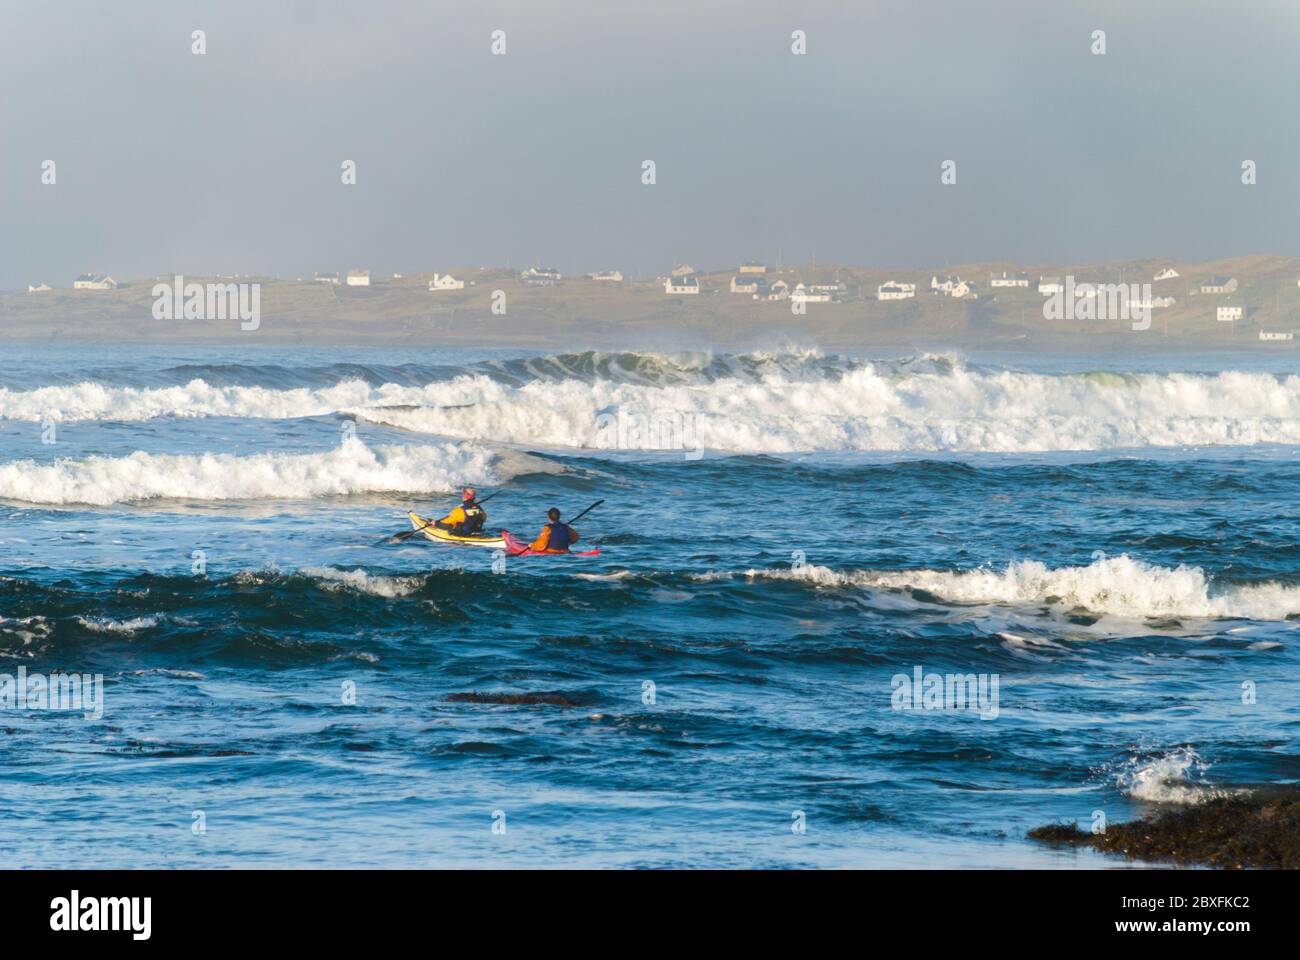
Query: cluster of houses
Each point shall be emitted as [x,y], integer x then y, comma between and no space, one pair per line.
[751,279]
[1217,286]
[961,289]
[954,287]
[87,281]
[540,277]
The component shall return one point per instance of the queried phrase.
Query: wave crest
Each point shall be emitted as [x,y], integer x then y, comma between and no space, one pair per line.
[751,403]
[351,468]
[1118,586]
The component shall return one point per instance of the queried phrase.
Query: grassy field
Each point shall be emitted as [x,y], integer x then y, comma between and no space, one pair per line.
[580,313]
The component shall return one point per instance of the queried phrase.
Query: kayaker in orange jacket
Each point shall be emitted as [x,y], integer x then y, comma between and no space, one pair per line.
[556,536]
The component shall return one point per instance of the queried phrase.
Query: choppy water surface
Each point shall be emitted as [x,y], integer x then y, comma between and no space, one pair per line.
[1110,550]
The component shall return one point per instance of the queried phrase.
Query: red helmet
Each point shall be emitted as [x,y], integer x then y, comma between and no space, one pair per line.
[467,494]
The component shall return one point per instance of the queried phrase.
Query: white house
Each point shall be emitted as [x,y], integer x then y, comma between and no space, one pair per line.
[952,287]
[94,281]
[778,291]
[744,284]
[838,287]
[445,281]
[686,285]
[1150,303]
[326,278]
[1219,285]
[540,276]
[38,288]
[1009,280]
[1168,273]
[1228,314]
[358,278]
[1266,335]
[608,276]
[750,266]
[1050,285]
[893,290]
[804,294]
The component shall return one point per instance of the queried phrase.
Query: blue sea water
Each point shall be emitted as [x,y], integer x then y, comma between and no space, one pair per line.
[1111,548]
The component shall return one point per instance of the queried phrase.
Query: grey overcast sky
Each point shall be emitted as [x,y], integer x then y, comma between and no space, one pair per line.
[230,162]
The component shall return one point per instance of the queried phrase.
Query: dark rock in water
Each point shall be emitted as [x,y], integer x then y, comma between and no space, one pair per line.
[1168,623]
[1081,616]
[1255,831]
[516,699]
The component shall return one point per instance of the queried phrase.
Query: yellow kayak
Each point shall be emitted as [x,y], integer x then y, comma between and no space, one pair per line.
[438,535]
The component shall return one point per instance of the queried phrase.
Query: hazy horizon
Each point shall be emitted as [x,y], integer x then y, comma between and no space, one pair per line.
[230,161]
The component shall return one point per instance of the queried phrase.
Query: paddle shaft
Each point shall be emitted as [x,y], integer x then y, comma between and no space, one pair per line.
[585,512]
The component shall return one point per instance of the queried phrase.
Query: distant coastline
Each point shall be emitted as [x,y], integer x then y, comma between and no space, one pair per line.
[844,308]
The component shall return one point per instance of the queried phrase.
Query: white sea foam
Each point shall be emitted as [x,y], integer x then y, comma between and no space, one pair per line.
[350,468]
[106,625]
[928,404]
[1119,586]
[359,580]
[26,629]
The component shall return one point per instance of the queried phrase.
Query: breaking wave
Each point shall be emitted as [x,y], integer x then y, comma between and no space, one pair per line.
[1173,777]
[1118,586]
[759,403]
[351,468]
[198,398]
[378,585]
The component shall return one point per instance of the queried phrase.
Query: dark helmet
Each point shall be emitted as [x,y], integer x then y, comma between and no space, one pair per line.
[553,514]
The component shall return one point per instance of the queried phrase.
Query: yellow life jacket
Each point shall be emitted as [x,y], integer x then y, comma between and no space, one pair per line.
[470,519]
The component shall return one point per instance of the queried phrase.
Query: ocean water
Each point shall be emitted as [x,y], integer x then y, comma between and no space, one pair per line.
[1109,549]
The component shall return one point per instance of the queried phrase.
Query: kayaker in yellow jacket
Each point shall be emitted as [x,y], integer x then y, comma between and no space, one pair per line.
[556,536]
[465,520]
